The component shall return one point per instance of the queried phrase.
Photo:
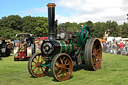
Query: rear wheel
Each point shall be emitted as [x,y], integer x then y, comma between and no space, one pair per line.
[61,67]
[34,67]
[93,54]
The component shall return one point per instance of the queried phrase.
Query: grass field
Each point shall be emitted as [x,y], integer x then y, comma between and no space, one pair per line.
[114,71]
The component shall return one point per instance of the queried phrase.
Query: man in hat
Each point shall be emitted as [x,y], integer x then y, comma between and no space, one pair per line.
[82,26]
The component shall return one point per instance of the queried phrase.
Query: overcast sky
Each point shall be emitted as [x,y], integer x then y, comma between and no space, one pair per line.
[69,10]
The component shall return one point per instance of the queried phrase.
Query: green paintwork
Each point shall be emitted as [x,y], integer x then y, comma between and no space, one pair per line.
[63,46]
[66,47]
[47,65]
[82,55]
[84,36]
[82,39]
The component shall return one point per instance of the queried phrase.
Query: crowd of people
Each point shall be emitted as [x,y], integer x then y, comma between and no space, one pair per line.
[116,47]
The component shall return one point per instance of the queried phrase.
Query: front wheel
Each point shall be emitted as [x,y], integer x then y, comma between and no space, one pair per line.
[61,66]
[34,67]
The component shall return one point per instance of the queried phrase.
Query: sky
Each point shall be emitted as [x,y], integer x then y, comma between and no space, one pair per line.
[69,10]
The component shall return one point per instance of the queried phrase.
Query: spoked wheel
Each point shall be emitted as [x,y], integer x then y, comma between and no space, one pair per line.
[34,65]
[61,67]
[93,54]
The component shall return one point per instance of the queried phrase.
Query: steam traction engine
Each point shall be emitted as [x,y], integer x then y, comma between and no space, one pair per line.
[4,48]
[28,47]
[63,48]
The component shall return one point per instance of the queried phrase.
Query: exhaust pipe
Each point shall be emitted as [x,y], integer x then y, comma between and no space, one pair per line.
[51,21]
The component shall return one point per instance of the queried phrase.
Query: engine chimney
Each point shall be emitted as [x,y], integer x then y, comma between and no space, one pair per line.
[51,21]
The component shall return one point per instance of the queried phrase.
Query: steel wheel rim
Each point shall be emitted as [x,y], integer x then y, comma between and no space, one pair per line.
[63,68]
[36,69]
[96,55]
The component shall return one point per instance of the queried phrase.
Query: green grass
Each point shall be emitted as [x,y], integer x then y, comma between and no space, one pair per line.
[114,71]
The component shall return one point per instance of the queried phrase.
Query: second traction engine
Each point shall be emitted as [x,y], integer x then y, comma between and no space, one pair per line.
[62,48]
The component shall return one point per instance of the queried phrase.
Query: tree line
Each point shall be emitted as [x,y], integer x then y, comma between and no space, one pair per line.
[13,24]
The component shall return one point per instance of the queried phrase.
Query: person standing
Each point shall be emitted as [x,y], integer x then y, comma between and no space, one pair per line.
[126,47]
[121,47]
[82,26]
[106,34]
[114,48]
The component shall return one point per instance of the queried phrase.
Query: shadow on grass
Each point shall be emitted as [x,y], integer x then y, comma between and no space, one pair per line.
[0,58]
[50,75]
[79,67]
[6,56]
[47,74]
[65,80]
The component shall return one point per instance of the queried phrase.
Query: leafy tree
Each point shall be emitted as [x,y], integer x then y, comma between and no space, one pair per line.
[98,29]
[29,24]
[89,24]
[70,26]
[12,21]
[42,27]
[125,30]
[9,33]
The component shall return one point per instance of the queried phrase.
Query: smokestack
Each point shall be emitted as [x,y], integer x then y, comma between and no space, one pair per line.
[51,21]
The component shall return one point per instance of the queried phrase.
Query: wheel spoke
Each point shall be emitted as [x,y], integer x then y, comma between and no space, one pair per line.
[64,72]
[37,70]
[34,61]
[42,58]
[97,56]
[61,60]
[98,50]
[94,53]
[34,65]
[42,68]
[67,64]
[59,72]
[95,44]
[66,68]
[57,64]
[34,69]
[66,61]
[56,69]
[96,65]
[38,58]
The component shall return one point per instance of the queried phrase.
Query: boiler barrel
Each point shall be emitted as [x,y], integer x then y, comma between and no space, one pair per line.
[55,47]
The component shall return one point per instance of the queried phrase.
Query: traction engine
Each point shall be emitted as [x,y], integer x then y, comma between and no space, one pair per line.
[62,49]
